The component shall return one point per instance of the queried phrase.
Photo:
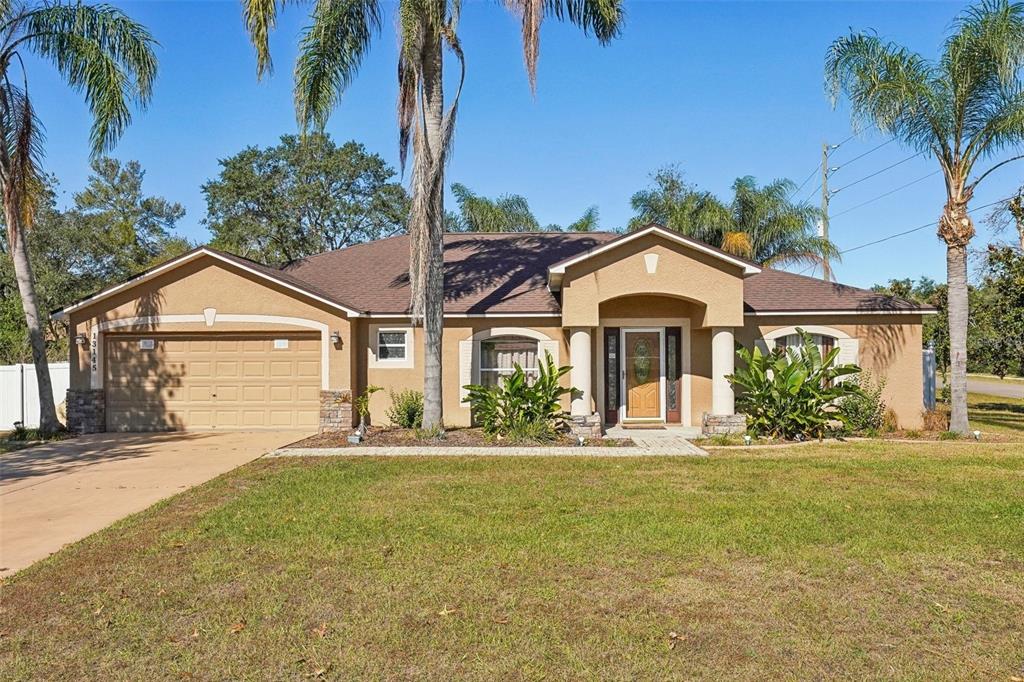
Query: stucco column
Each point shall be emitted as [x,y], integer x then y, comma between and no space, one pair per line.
[723,353]
[582,370]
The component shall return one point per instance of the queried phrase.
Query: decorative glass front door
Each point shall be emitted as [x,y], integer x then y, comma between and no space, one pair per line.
[642,370]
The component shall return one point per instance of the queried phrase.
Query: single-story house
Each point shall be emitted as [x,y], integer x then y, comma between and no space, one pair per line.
[648,320]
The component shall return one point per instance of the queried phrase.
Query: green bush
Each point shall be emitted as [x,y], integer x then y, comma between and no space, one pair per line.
[406,409]
[793,393]
[520,409]
[362,404]
[865,411]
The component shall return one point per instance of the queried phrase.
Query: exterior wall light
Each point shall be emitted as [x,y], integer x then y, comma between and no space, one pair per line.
[80,339]
[335,338]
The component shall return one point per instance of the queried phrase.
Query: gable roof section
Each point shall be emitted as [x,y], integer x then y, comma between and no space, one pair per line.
[493,274]
[556,271]
[262,271]
[775,292]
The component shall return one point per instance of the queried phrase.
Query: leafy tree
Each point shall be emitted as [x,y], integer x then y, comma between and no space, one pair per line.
[331,50]
[97,50]
[998,317]
[111,232]
[759,223]
[303,196]
[962,108]
[507,213]
[1010,214]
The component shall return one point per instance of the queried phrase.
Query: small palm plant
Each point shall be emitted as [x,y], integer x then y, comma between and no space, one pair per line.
[793,394]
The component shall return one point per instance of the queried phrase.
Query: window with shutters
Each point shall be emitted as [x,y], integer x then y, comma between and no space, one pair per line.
[499,355]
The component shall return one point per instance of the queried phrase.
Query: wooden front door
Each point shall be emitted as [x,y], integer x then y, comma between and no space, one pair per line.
[642,369]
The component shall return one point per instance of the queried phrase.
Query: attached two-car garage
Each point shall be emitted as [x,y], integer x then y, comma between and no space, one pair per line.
[212,381]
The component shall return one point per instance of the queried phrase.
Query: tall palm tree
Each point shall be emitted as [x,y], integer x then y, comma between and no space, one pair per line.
[762,224]
[99,51]
[330,52]
[965,107]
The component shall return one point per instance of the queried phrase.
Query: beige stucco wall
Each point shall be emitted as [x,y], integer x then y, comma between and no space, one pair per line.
[681,271]
[456,330]
[890,347]
[210,283]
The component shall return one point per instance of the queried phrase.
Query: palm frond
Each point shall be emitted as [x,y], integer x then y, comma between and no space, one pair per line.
[21,139]
[603,18]
[260,19]
[330,52]
[101,52]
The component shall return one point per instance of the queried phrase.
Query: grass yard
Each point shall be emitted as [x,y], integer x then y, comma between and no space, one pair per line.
[869,560]
[996,414]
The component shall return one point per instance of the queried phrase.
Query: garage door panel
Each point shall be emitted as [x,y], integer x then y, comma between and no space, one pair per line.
[212,381]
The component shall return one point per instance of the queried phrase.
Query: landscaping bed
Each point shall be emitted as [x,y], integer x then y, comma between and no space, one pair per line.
[386,436]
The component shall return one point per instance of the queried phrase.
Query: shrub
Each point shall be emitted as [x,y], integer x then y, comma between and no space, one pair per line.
[936,420]
[949,435]
[518,408]
[406,409]
[792,393]
[864,411]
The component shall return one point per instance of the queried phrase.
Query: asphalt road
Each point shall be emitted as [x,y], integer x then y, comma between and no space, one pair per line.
[1003,389]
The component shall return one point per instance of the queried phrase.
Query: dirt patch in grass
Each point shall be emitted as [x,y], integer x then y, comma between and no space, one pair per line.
[876,560]
[384,436]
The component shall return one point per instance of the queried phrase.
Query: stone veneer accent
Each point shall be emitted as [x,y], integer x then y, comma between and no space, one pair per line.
[586,426]
[724,423]
[87,410]
[335,410]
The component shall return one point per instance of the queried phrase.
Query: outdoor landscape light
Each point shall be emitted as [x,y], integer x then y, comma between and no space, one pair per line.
[977,435]
[80,339]
[747,439]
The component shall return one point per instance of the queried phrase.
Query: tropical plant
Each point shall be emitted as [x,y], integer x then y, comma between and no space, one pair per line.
[406,409]
[962,108]
[866,411]
[507,213]
[762,224]
[330,51]
[519,408]
[99,51]
[301,197]
[362,405]
[793,393]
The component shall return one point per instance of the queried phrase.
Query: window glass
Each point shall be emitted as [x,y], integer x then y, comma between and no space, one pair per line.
[391,345]
[499,356]
[611,367]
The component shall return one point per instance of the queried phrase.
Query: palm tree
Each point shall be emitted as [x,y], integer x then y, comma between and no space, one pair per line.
[97,50]
[762,224]
[507,213]
[965,107]
[330,52]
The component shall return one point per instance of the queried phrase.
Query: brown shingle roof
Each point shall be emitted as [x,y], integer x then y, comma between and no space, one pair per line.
[508,273]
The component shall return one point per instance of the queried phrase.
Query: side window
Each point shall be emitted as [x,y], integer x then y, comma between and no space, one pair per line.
[392,344]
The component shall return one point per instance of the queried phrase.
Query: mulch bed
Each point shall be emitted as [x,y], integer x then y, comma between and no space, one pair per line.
[383,436]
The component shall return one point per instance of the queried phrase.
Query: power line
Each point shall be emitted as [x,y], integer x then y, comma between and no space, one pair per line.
[885,194]
[806,180]
[905,232]
[877,172]
[870,151]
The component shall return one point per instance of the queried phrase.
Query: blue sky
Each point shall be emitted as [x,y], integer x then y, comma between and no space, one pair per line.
[723,89]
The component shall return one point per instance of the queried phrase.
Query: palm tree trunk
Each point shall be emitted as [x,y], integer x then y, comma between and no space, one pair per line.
[23,274]
[433,260]
[956,228]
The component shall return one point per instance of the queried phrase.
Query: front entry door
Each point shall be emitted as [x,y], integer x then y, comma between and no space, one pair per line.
[642,371]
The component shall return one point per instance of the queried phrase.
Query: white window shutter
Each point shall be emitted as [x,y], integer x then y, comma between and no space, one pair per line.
[465,367]
[545,347]
[849,351]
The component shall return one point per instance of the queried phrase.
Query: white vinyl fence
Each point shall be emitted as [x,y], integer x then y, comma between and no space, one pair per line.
[19,396]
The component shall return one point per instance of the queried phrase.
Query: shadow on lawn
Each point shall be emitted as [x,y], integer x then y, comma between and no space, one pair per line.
[1005,415]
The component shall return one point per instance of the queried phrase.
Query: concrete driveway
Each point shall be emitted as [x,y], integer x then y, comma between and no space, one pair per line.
[54,494]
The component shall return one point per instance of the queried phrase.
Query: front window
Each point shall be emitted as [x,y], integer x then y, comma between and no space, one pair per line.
[392,344]
[499,355]
[824,342]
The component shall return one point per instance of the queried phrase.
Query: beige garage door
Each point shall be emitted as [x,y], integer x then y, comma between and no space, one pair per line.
[212,381]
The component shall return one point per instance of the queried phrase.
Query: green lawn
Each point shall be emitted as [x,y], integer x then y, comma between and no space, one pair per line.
[996,414]
[855,561]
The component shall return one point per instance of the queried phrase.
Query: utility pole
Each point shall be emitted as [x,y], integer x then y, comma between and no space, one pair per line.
[826,268]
